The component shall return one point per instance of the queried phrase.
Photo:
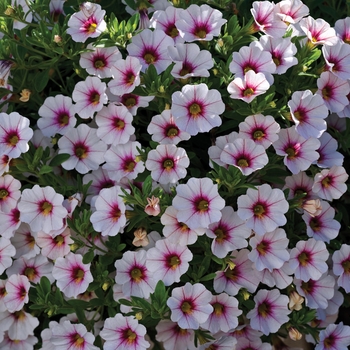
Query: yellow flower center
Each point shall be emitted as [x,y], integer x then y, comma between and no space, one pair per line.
[203,205]
[248,92]
[81,152]
[174,262]
[172,132]
[220,235]
[129,166]
[291,153]
[304,258]
[243,163]
[59,240]
[173,32]
[78,340]
[130,336]
[30,273]
[276,61]
[130,102]
[95,98]
[119,124]
[258,135]
[218,309]
[63,119]
[78,275]
[186,307]
[263,310]
[247,69]
[46,208]
[201,33]
[13,140]
[3,194]
[262,248]
[149,58]
[99,64]
[346,266]
[195,110]
[91,28]
[136,275]
[168,164]
[259,210]
[326,182]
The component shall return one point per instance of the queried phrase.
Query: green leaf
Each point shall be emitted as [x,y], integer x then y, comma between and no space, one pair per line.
[208,277]
[40,81]
[45,169]
[45,285]
[88,257]
[59,159]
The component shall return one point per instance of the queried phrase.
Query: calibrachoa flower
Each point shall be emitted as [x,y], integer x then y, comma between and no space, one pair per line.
[57,115]
[72,276]
[299,153]
[17,287]
[151,47]
[126,76]
[123,333]
[109,217]
[167,163]
[196,108]
[164,129]
[247,88]
[337,59]
[270,311]
[85,148]
[198,203]
[308,259]
[281,277]
[263,208]
[87,23]
[190,305]
[25,243]
[42,209]
[133,274]
[9,192]
[291,11]
[334,337]
[328,152]
[15,134]
[341,266]
[89,96]
[330,183]
[200,23]
[9,222]
[168,261]
[131,101]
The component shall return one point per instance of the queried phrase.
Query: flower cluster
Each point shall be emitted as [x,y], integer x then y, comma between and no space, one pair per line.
[173,175]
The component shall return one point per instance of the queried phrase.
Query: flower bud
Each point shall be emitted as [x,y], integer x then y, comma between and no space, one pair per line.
[295,301]
[141,239]
[152,208]
[294,334]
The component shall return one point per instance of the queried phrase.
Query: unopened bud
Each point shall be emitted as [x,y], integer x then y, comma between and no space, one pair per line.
[294,334]
[139,316]
[25,95]
[141,239]
[295,301]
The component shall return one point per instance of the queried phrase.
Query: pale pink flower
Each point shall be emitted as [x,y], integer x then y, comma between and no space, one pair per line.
[25,242]
[57,115]
[152,208]
[9,222]
[263,208]
[15,134]
[151,47]
[100,60]
[4,164]
[14,344]
[330,183]
[291,11]
[17,288]
[341,266]
[87,23]
[281,277]
[196,108]
[42,209]
[308,259]
[72,276]
[85,148]
[200,23]
[342,28]
[337,58]
[198,203]
[89,96]
[190,305]
[9,192]
[334,337]
[247,88]
[126,76]
[329,156]
[131,101]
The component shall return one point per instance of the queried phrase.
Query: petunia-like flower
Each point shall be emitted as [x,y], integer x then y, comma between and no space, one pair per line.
[72,336]
[167,163]
[42,209]
[330,183]
[318,31]
[114,124]
[176,231]
[9,222]
[17,288]
[190,61]
[269,251]
[342,28]
[270,311]
[224,316]
[247,88]
[72,275]
[133,274]
[196,108]
[25,243]
[263,130]
[28,343]
[9,192]
[230,233]
[334,337]
[165,20]
[124,333]
[87,23]
[131,101]
[86,150]
[254,58]
[126,76]
[89,96]
[164,130]
[329,156]
[266,19]
[151,47]
[109,217]
[15,134]
[263,208]
[299,153]
[245,155]
[317,292]
[190,305]
[291,11]
[323,226]
[57,115]
[200,23]
[152,208]
[198,203]
[168,261]
[308,259]
[174,337]
[100,60]
[341,266]
[238,274]
[122,161]
[281,277]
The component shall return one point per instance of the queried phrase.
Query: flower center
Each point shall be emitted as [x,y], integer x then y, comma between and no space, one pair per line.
[119,124]
[218,309]
[299,115]
[258,135]
[95,98]
[304,258]
[172,131]
[149,58]
[174,262]
[168,164]
[130,102]
[63,119]
[276,61]
[129,166]
[130,78]
[130,336]
[59,240]
[232,274]
[78,340]
[186,68]
[183,227]
[247,69]
[46,208]
[78,275]
[99,63]
[326,182]
[291,153]
[262,248]
[315,225]
[30,273]
[248,92]
[116,214]
[30,240]
[263,310]
[186,307]
[307,287]
[195,110]
[3,194]
[220,235]
[203,205]
[326,93]
[242,163]
[329,342]
[259,210]
[200,33]
[91,28]
[19,315]
[12,139]
[172,31]
[346,266]
[136,275]
[81,152]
